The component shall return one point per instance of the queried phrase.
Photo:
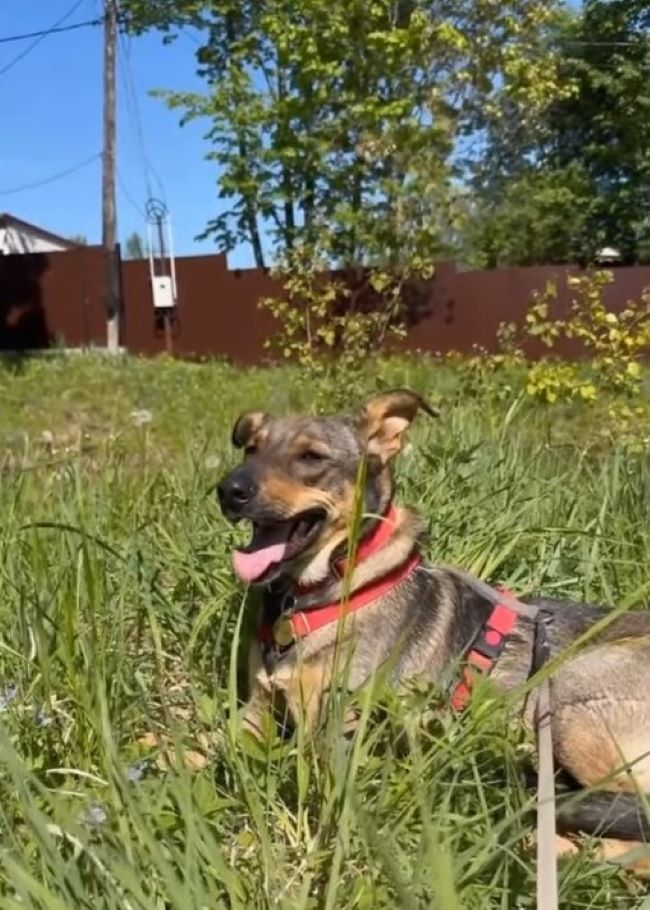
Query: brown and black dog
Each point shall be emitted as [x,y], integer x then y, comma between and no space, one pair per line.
[299,487]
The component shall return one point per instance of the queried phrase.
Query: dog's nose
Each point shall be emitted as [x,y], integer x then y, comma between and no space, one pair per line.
[236,490]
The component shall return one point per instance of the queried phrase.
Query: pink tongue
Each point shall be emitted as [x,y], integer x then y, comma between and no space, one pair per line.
[251,566]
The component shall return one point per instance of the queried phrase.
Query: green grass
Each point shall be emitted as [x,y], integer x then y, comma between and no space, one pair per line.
[118,618]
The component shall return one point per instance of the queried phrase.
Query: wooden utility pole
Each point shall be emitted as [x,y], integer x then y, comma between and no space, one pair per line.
[109,212]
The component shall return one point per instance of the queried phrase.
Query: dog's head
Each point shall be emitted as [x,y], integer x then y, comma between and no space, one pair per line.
[297,483]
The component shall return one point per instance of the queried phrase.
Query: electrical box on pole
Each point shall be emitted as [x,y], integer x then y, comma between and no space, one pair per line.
[162,267]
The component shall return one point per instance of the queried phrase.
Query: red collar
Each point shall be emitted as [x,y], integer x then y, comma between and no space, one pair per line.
[381,534]
[291,626]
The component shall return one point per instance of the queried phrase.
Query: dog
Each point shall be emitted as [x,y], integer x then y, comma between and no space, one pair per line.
[310,486]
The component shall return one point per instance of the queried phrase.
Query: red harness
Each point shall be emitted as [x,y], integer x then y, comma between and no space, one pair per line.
[485,650]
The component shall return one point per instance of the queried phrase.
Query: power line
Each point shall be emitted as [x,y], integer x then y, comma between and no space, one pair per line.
[8,39]
[51,179]
[641,41]
[129,197]
[37,40]
[54,30]
[191,37]
[133,109]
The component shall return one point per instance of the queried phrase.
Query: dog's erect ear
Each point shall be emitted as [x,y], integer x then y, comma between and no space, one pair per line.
[246,428]
[386,418]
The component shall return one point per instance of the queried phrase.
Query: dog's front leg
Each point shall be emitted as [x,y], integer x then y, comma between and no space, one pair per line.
[304,687]
[257,715]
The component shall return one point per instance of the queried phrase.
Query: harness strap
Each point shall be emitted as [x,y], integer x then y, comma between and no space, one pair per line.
[547,881]
[485,652]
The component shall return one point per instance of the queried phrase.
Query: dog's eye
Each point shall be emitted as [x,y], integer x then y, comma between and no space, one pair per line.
[312,457]
[250,450]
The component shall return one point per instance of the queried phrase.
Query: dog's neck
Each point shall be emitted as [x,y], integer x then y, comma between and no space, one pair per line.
[385,544]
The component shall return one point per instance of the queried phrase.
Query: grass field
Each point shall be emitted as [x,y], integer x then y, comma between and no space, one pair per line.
[121,786]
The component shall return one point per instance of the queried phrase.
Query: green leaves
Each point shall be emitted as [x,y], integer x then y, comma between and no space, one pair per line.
[336,122]
[577,177]
[336,127]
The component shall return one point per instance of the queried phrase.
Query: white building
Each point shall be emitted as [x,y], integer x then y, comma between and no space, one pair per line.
[17,236]
[608,256]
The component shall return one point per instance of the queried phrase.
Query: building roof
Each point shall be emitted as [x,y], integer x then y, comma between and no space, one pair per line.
[7,220]
[608,254]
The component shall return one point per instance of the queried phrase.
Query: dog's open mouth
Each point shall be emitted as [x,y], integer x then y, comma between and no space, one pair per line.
[276,542]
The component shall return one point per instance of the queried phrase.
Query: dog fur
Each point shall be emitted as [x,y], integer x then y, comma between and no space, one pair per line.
[304,466]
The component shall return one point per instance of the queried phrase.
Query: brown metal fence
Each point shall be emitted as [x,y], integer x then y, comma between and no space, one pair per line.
[47,298]
[57,298]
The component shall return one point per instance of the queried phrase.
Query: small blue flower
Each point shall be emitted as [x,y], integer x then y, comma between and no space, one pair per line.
[43,719]
[136,771]
[8,694]
[95,816]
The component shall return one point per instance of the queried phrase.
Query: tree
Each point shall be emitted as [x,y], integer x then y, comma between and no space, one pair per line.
[135,246]
[79,239]
[336,123]
[605,125]
[540,216]
[582,181]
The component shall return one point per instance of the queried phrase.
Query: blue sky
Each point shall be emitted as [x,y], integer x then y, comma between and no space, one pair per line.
[51,115]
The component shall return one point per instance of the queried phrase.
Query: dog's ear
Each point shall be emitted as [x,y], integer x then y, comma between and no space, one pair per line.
[247,427]
[386,418]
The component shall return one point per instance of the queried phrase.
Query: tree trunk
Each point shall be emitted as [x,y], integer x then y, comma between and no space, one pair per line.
[287,190]
[250,214]
[250,204]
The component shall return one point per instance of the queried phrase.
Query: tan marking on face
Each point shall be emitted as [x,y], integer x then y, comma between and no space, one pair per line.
[315,567]
[305,443]
[294,497]
[340,511]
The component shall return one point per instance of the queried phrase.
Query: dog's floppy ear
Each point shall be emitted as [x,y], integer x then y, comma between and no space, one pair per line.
[386,418]
[246,428]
